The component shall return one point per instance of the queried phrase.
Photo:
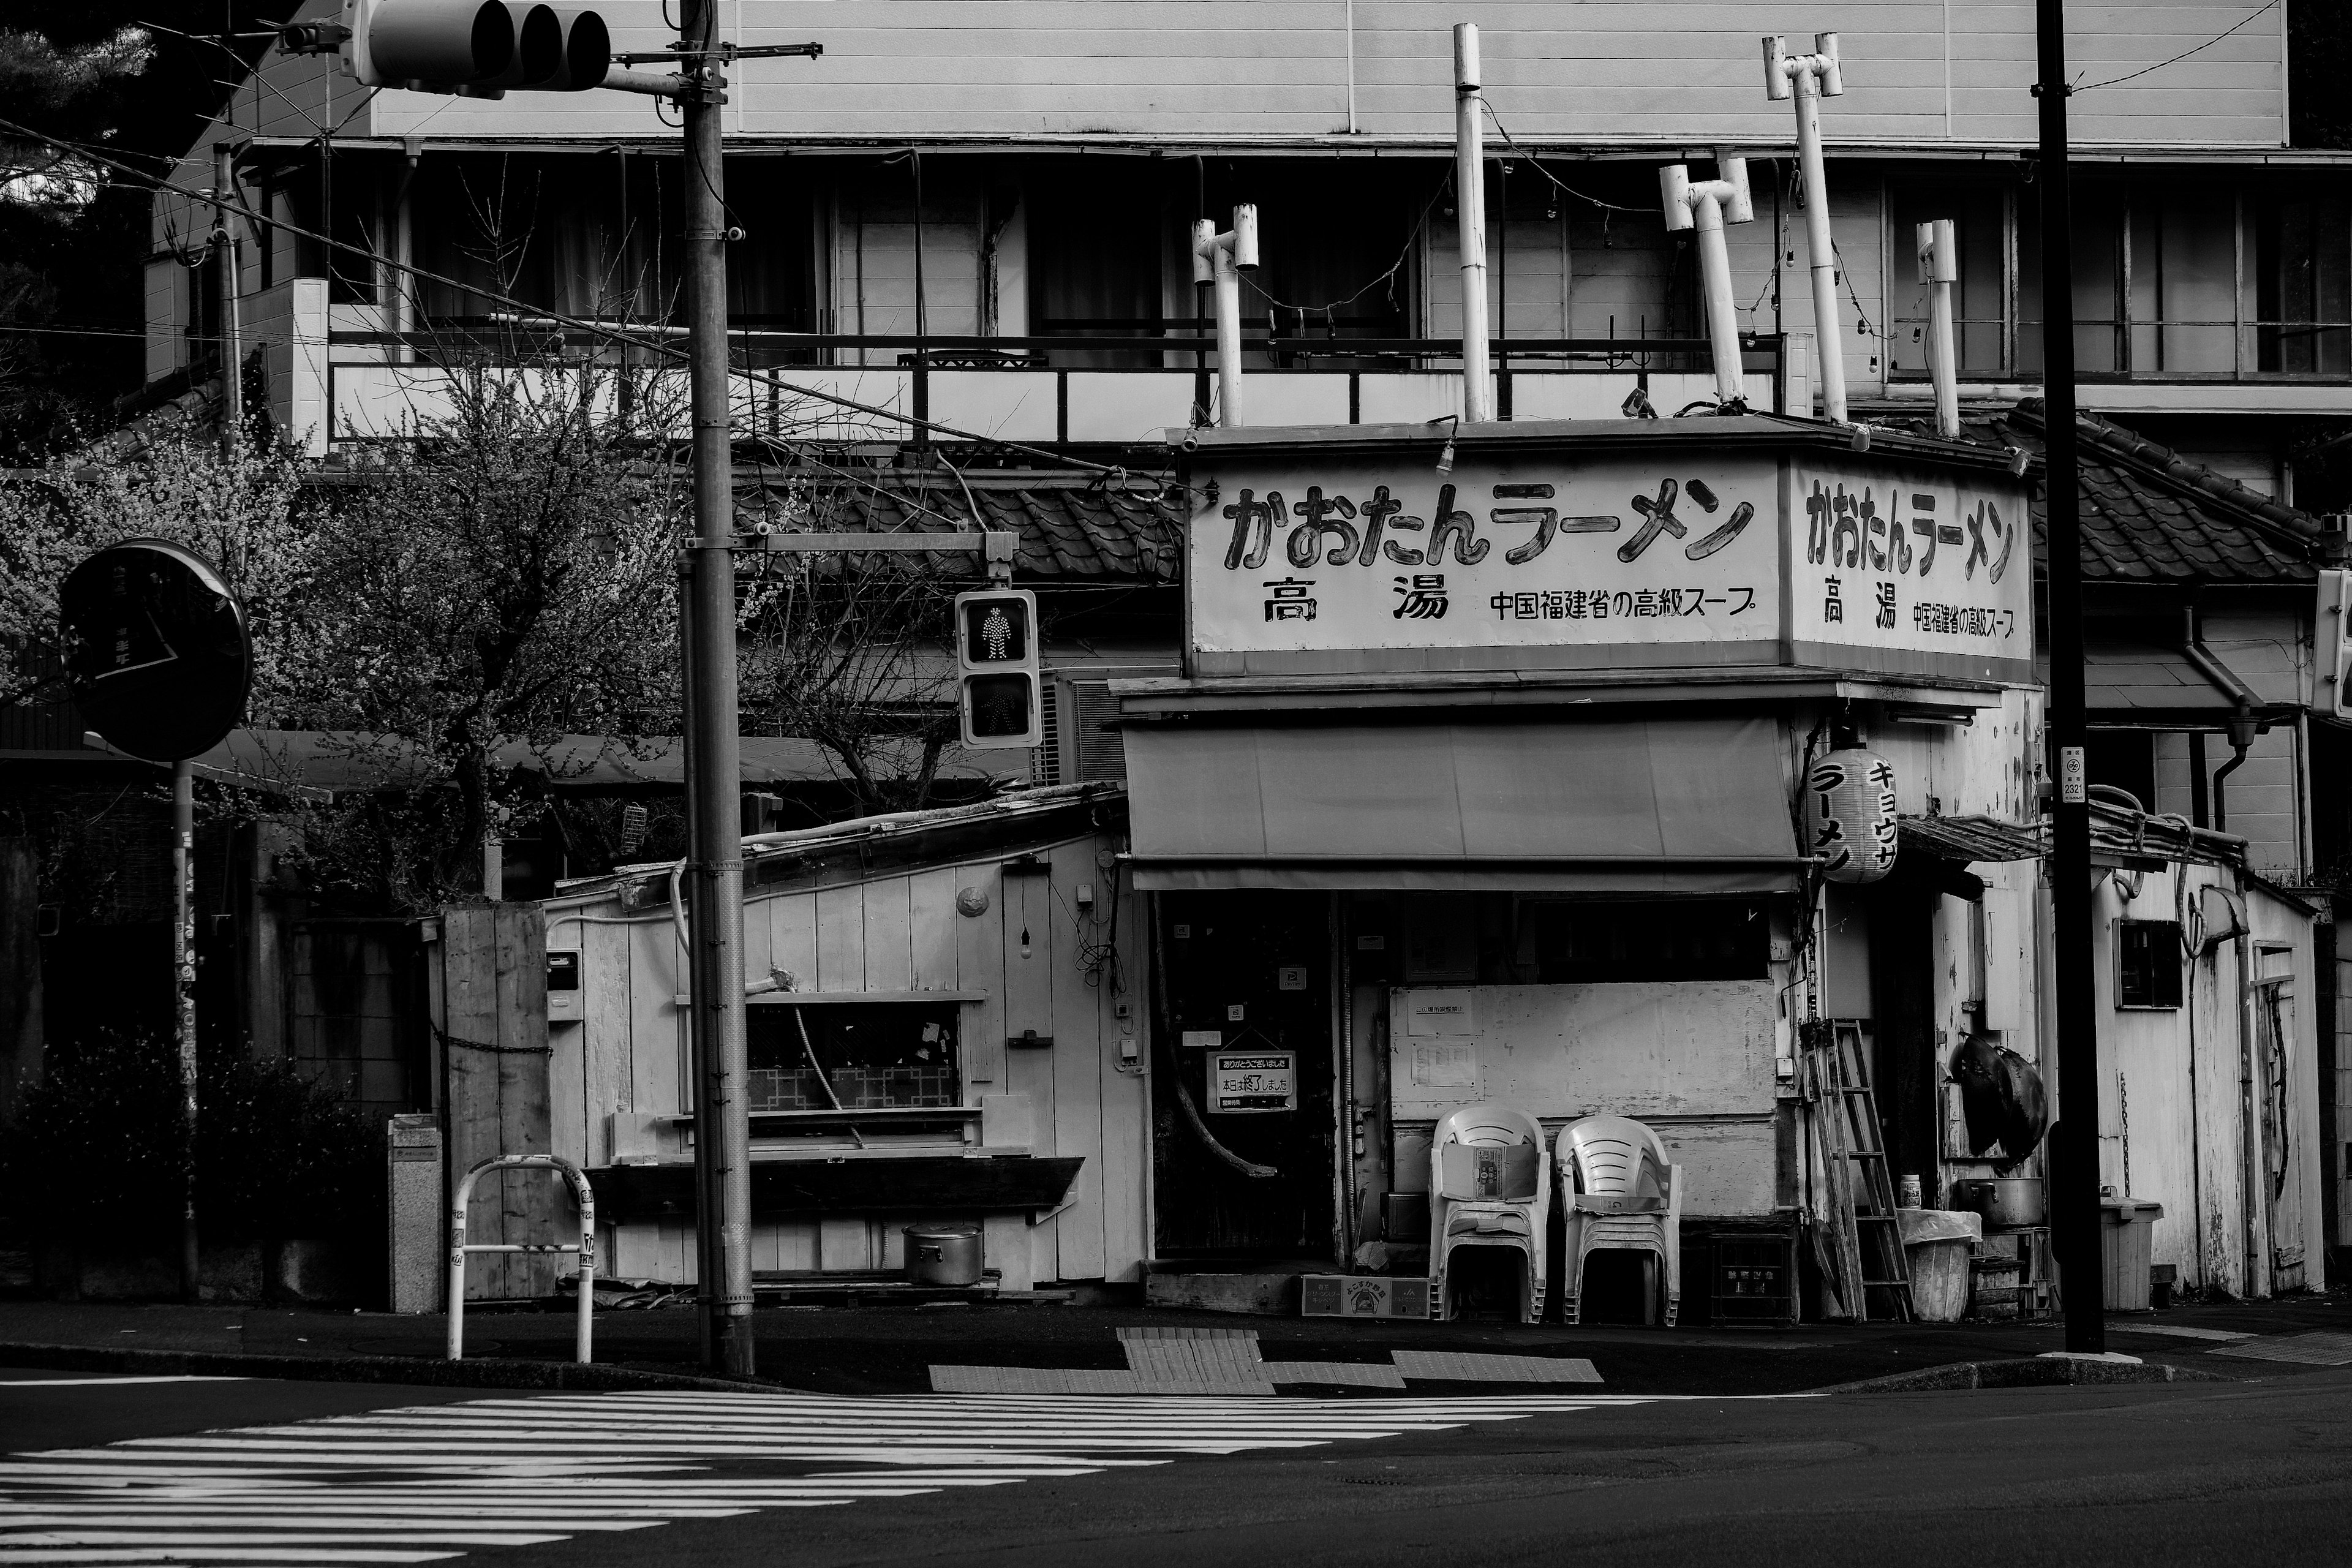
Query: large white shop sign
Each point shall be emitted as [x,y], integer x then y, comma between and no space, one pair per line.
[1754,555]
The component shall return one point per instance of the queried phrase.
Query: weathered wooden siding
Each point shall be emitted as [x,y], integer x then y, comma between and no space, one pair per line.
[622,1069]
[488,976]
[1609,72]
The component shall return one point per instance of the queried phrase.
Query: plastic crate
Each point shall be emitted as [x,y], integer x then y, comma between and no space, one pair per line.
[1753,1279]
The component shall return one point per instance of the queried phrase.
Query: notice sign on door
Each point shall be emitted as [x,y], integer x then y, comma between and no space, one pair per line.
[1252,1080]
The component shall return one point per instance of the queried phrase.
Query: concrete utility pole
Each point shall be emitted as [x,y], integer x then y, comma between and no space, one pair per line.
[2075,1152]
[1470,207]
[232,357]
[722,1133]
[1810,79]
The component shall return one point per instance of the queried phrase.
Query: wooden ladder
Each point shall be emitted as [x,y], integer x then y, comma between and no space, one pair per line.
[1867,1239]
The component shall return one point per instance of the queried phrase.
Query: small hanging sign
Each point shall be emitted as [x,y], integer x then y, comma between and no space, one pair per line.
[1252,1080]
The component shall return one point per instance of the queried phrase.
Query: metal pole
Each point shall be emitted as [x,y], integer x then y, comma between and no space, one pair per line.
[1941,254]
[2076,1154]
[183,1005]
[1470,204]
[1722,323]
[1829,350]
[231,407]
[715,858]
[1229,337]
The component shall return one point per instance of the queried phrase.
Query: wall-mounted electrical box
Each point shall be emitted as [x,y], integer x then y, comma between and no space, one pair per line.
[566,1002]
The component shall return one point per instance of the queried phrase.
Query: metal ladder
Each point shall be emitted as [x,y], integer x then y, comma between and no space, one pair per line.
[1867,1236]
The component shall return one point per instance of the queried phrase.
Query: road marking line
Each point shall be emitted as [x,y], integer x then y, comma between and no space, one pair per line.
[102,1382]
[405,1486]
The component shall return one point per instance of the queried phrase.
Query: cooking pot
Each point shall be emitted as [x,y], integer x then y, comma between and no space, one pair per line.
[2005,1202]
[943,1253]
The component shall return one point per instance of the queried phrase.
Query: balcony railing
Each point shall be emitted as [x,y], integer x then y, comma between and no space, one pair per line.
[1026,389]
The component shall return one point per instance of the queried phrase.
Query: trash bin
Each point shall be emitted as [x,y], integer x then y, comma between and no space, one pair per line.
[1936,1243]
[2126,1241]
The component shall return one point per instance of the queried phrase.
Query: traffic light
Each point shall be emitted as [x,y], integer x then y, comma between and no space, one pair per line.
[480,48]
[998,695]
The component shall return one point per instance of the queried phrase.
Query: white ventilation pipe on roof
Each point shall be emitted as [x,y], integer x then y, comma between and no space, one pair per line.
[1221,259]
[1939,268]
[1810,79]
[1707,205]
[1470,208]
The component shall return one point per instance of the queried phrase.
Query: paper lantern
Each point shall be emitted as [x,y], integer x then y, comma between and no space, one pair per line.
[1850,815]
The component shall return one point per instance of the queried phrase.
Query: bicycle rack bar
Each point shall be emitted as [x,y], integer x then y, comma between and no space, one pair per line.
[585,1247]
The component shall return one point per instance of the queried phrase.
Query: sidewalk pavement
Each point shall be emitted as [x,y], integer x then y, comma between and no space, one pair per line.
[868,1349]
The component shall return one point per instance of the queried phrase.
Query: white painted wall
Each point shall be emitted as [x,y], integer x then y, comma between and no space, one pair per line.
[618,1074]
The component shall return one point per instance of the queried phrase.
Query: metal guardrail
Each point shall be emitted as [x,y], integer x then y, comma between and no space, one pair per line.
[585,1247]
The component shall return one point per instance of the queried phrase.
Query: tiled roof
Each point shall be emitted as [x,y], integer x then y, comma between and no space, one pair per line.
[1072,527]
[2150,515]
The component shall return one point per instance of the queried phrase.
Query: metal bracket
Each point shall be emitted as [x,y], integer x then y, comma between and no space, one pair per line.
[1029,1040]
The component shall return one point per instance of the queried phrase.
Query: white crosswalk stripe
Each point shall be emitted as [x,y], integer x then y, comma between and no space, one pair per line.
[427,1484]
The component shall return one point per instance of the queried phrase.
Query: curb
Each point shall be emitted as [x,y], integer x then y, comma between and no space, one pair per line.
[2036,1372]
[419,1371]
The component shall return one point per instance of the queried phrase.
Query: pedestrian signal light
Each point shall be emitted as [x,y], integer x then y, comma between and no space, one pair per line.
[998,691]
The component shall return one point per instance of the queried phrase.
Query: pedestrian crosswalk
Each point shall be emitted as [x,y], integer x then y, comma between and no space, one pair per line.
[430,1483]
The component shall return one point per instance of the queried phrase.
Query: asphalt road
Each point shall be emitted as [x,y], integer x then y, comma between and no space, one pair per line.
[2251,1471]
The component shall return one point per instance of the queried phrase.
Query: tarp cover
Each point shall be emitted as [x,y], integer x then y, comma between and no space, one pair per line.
[1679,806]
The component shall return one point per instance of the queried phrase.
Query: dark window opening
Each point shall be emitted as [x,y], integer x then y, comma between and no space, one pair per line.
[2148,963]
[2125,759]
[1563,942]
[873,1056]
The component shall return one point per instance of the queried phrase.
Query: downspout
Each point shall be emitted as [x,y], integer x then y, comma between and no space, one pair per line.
[2242,725]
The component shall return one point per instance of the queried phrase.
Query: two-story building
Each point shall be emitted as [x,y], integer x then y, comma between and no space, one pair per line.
[980,213]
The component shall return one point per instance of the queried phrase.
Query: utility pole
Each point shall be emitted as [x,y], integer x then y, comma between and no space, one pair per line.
[2075,1153]
[1470,207]
[722,1130]
[232,405]
[183,1007]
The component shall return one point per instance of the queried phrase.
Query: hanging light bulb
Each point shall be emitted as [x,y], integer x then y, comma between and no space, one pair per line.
[1024,942]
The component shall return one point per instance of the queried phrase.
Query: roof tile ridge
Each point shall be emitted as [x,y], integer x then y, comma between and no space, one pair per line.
[2162,462]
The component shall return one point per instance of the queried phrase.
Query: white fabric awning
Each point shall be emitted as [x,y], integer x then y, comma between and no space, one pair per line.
[1664,806]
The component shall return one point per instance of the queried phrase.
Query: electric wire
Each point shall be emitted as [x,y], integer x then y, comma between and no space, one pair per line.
[2117,81]
[1536,163]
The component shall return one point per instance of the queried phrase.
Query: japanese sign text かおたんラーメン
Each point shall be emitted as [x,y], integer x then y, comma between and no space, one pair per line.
[1370,551]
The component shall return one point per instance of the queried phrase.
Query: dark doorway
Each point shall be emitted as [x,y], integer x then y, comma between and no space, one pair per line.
[1242,973]
[1906,1066]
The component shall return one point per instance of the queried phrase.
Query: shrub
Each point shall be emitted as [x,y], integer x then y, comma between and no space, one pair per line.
[99,1148]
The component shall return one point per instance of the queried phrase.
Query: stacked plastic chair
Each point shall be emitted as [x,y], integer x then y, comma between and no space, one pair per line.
[1619,1194]
[1489,1187]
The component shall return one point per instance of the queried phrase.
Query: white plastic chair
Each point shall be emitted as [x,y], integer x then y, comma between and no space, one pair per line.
[1619,1192]
[1488,1188]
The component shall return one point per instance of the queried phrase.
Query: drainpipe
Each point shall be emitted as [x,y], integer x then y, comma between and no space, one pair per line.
[2242,725]
[1470,205]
